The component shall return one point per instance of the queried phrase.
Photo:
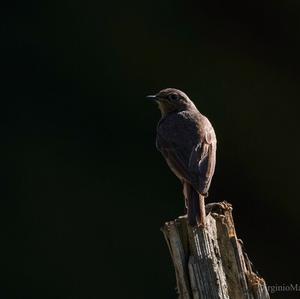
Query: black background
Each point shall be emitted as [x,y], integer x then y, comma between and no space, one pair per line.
[84,191]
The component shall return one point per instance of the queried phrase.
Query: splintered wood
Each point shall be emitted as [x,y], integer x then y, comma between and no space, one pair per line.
[210,262]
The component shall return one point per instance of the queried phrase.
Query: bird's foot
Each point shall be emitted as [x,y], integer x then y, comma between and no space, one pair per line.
[204,194]
[217,207]
[201,225]
[194,223]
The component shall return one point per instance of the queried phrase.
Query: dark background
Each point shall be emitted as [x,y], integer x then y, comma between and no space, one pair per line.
[84,191]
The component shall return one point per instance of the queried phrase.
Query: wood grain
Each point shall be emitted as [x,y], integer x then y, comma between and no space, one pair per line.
[210,262]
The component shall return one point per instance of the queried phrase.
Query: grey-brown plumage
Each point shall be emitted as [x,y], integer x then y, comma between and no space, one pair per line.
[188,142]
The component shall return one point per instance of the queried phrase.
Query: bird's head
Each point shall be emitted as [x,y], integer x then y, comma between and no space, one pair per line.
[171,99]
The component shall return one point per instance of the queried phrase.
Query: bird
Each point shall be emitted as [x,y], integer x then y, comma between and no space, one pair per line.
[188,142]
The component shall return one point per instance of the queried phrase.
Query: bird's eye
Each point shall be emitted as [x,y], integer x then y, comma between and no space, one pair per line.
[173,97]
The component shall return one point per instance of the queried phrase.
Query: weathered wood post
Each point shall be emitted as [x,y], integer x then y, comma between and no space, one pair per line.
[210,262]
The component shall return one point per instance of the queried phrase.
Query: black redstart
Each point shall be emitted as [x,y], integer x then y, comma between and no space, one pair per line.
[188,142]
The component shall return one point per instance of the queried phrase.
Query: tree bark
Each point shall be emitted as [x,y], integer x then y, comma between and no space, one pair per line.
[210,262]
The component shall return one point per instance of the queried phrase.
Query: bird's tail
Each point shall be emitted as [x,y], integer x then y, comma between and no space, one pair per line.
[195,208]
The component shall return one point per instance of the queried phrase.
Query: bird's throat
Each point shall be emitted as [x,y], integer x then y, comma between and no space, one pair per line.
[166,107]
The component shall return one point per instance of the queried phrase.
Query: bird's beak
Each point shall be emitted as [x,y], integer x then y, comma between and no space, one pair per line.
[152,97]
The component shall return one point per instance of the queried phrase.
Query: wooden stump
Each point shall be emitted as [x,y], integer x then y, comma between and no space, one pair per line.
[210,262]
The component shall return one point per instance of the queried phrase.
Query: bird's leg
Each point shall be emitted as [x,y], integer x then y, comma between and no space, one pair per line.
[202,222]
[191,204]
[185,194]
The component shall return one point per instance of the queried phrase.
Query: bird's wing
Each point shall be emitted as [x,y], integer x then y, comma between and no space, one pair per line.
[202,161]
[175,157]
[196,166]
[188,146]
